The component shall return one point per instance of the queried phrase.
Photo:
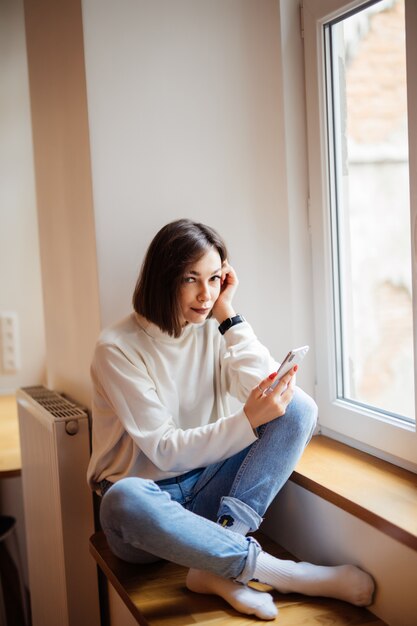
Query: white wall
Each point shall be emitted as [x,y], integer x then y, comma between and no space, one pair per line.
[186,112]
[296,174]
[20,277]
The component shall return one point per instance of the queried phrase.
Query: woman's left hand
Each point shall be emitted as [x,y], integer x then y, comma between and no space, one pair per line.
[223,307]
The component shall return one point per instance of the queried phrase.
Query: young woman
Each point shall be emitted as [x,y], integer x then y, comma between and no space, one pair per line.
[182,477]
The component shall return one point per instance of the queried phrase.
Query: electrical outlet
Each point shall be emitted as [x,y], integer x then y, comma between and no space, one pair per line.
[9,338]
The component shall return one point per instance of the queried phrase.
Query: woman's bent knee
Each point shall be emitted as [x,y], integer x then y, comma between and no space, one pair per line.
[127,499]
[304,410]
[124,512]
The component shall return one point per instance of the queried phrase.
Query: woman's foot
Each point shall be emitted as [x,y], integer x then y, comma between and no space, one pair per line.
[344,582]
[240,597]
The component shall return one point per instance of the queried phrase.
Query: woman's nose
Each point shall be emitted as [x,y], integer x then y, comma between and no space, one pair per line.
[204,294]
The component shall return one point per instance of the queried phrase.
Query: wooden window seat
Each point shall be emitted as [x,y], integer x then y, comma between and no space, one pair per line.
[156,596]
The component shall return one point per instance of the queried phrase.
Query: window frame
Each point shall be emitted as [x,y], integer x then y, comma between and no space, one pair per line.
[359,426]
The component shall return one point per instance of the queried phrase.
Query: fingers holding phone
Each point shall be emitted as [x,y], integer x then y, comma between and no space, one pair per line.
[270,398]
[265,404]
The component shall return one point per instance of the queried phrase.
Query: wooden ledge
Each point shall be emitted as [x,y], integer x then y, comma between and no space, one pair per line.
[156,595]
[10,458]
[372,490]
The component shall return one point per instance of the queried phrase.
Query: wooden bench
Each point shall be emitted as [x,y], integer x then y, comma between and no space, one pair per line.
[156,596]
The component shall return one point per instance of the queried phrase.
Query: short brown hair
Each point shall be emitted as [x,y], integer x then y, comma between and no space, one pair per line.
[173,249]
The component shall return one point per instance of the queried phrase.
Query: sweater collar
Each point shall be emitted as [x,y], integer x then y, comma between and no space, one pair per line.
[152,330]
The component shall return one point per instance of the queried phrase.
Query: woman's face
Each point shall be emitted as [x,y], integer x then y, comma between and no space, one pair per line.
[200,287]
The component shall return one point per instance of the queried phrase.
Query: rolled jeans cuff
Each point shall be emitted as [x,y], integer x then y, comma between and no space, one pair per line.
[248,571]
[238,510]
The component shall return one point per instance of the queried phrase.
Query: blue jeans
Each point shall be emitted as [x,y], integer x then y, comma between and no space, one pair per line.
[177,519]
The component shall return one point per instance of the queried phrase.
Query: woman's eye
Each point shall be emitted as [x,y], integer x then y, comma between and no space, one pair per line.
[215,278]
[188,279]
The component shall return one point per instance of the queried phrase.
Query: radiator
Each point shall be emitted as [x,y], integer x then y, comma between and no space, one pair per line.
[58,508]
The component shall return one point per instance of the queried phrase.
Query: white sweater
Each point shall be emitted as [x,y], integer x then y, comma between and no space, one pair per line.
[160,405]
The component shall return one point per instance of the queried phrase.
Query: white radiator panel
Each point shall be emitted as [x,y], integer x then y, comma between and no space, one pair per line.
[58,507]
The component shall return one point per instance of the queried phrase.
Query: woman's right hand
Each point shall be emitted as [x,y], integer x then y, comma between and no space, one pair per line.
[261,407]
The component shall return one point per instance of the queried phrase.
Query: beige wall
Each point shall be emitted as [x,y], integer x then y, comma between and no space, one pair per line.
[63,183]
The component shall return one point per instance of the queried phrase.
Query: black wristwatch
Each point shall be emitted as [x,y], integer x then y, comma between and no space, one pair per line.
[229,322]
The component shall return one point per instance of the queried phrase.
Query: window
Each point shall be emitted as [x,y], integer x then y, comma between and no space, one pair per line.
[360,122]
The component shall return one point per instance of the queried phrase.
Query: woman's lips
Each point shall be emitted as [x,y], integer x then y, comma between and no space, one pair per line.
[200,311]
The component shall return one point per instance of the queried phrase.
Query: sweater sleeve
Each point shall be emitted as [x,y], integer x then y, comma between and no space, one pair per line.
[131,395]
[245,361]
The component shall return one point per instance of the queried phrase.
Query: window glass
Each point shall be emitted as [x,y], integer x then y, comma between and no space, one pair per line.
[368,146]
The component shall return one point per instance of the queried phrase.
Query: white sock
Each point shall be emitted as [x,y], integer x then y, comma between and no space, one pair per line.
[240,597]
[345,582]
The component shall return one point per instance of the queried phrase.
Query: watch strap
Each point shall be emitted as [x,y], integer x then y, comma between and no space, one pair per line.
[229,322]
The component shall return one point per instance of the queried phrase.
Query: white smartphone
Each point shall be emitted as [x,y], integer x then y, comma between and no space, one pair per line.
[294,357]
